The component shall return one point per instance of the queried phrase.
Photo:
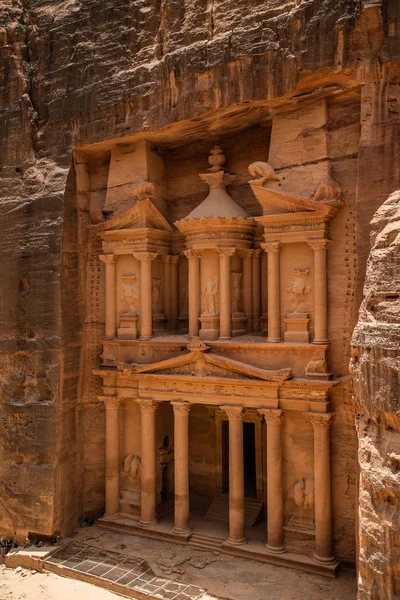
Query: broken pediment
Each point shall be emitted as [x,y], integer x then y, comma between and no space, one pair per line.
[199,362]
[143,215]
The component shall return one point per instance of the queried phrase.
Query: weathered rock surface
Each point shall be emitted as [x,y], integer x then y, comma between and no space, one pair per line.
[376,367]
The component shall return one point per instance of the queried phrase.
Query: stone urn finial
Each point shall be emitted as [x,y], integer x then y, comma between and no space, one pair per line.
[216,159]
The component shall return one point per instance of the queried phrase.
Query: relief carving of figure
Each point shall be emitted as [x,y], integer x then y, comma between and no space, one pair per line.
[316,366]
[210,295]
[299,287]
[303,491]
[133,467]
[129,295]
[236,279]
[156,294]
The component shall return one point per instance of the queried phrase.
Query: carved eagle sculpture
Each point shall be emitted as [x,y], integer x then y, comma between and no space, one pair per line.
[262,172]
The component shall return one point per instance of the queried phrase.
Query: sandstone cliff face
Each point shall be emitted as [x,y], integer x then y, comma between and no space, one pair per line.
[376,367]
[76,73]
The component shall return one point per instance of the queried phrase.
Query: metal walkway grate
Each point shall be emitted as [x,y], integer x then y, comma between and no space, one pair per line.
[132,573]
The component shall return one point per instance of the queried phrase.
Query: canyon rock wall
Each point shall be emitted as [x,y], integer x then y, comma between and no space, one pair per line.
[80,73]
[376,367]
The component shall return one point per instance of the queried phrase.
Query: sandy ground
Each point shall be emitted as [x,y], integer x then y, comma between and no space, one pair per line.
[222,576]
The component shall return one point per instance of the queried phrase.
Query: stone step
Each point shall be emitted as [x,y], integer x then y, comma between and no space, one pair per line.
[200,541]
[219,510]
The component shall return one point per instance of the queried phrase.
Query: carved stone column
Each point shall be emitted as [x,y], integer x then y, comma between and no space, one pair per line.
[247,269]
[111,315]
[236,475]
[264,294]
[167,288]
[273,419]
[174,291]
[193,257]
[256,289]
[111,404]
[323,495]
[181,466]
[274,293]
[148,459]
[225,327]
[319,248]
[146,312]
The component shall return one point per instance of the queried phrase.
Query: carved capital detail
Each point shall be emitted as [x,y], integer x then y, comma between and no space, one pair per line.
[320,244]
[147,406]
[107,259]
[192,253]
[226,251]
[181,407]
[110,402]
[235,413]
[256,253]
[272,415]
[166,258]
[320,420]
[245,252]
[175,259]
[145,256]
[271,247]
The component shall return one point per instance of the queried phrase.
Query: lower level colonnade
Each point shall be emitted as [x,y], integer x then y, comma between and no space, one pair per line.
[273,461]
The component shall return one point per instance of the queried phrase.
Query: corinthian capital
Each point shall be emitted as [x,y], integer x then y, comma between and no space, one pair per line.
[272,415]
[110,402]
[108,259]
[321,244]
[180,407]
[271,247]
[235,413]
[321,420]
[149,406]
[226,251]
[145,256]
[192,253]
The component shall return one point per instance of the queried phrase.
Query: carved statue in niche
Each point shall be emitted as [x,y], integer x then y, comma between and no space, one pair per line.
[133,467]
[129,294]
[303,492]
[236,280]
[156,294]
[299,287]
[210,295]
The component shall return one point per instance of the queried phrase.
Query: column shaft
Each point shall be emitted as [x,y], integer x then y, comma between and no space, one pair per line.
[146,312]
[111,404]
[256,290]
[181,466]
[274,292]
[320,291]
[111,316]
[236,475]
[264,294]
[174,291]
[273,420]
[194,291]
[167,289]
[148,458]
[322,485]
[247,270]
[225,292]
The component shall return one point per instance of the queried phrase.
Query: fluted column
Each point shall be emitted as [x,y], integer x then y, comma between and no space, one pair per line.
[193,257]
[225,327]
[146,312]
[256,289]
[319,248]
[111,316]
[274,292]
[181,466]
[111,404]
[273,419]
[236,475]
[247,269]
[322,484]
[167,288]
[148,502]
[174,291]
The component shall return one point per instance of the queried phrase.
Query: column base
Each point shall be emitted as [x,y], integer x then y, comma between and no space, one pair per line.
[145,524]
[236,541]
[275,549]
[184,532]
[324,561]
[320,342]
[145,338]
[274,340]
[224,338]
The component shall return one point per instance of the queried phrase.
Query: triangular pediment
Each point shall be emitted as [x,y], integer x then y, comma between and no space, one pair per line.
[143,215]
[198,362]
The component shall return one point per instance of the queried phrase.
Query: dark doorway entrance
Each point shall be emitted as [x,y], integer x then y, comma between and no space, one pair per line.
[249,458]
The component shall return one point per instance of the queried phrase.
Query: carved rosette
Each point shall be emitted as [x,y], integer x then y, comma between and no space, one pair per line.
[181,407]
[148,406]
[272,415]
[145,256]
[110,402]
[235,413]
[271,247]
[320,420]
